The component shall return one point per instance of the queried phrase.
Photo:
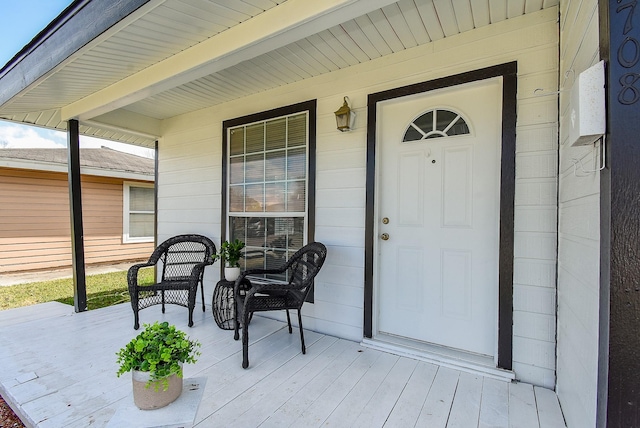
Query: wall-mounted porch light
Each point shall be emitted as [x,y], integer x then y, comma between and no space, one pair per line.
[345,117]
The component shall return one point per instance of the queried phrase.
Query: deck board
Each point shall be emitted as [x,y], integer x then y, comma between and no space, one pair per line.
[58,369]
[549,412]
[465,409]
[378,408]
[522,406]
[437,406]
[494,410]
[409,404]
[287,413]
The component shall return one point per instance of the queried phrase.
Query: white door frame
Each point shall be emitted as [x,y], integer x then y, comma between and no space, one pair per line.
[508,72]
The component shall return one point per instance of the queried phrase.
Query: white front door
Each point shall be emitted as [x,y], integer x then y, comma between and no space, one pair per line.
[437,217]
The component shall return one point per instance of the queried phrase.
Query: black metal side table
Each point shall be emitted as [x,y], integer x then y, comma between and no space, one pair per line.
[224,304]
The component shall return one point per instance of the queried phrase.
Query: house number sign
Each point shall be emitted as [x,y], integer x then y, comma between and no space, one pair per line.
[628,55]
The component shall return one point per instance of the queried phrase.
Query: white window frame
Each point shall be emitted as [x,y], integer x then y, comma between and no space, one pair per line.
[126,187]
[266,214]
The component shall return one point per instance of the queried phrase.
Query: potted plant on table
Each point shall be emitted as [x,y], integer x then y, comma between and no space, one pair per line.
[155,358]
[230,253]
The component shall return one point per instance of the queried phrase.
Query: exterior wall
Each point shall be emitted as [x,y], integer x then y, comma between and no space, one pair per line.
[35,226]
[190,158]
[578,229]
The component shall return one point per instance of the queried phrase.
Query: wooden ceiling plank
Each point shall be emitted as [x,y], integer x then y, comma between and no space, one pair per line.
[429,16]
[263,4]
[340,50]
[533,6]
[215,11]
[245,7]
[155,38]
[515,8]
[480,11]
[200,29]
[447,17]
[315,67]
[377,28]
[416,25]
[283,67]
[399,26]
[464,15]
[498,10]
[278,77]
[147,25]
[341,36]
[357,34]
[327,51]
[297,61]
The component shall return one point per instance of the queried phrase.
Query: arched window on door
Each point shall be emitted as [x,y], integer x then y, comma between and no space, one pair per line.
[434,124]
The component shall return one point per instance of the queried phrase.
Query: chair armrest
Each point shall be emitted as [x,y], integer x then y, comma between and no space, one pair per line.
[132,274]
[195,271]
[262,271]
[254,286]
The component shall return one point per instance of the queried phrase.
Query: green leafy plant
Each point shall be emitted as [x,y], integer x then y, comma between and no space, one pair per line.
[158,349]
[230,253]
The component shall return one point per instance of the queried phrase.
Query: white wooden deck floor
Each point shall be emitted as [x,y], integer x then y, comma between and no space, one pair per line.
[57,369]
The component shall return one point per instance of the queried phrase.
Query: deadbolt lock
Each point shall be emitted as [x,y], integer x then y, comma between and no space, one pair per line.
[385,220]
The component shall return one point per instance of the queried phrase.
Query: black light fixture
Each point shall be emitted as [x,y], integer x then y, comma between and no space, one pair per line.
[345,117]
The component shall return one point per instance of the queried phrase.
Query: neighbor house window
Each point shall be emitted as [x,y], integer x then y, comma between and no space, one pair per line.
[139,215]
[269,161]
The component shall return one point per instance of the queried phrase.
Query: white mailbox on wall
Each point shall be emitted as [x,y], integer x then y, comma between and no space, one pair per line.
[588,116]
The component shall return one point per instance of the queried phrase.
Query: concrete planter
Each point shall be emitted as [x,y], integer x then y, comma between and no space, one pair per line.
[154,397]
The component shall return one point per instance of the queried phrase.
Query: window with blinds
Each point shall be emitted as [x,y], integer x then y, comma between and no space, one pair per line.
[139,213]
[267,188]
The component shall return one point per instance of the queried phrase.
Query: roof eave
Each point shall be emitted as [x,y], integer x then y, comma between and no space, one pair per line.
[77,25]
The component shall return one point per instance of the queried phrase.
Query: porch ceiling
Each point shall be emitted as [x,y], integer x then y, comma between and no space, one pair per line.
[171,57]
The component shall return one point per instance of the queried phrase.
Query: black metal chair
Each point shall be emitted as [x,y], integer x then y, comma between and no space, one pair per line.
[183,259]
[272,295]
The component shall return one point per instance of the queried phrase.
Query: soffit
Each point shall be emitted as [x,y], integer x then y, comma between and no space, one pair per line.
[176,25]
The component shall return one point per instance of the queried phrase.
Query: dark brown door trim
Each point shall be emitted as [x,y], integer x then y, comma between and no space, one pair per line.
[508,72]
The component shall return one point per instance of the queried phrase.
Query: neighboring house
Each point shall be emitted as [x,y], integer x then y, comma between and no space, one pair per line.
[117,200]
[499,245]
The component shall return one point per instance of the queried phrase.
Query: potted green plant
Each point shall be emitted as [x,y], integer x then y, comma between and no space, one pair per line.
[155,358]
[230,253]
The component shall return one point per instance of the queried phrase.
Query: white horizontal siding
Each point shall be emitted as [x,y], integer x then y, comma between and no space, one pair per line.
[190,167]
[579,219]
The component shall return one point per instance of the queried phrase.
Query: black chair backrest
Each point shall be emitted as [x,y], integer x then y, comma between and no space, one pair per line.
[180,254]
[305,264]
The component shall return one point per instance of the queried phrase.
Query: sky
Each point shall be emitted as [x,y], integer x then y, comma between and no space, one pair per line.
[20,22]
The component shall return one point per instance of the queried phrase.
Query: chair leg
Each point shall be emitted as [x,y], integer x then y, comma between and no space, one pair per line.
[162,294]
[304,349]
[236,318]
[245,340]
[136,321]
[192,293]
[202,293]
[289,322]
[134,306]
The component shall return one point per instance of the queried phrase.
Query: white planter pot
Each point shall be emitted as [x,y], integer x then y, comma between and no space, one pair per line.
[154,397]
[231,273]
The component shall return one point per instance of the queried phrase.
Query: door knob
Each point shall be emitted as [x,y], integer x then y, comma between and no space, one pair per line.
[384,236]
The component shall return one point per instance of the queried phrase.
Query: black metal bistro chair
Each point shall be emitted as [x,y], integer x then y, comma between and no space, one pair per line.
[273,295]
[183,259]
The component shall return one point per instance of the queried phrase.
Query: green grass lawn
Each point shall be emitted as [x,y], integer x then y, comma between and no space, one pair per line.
[102,290]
